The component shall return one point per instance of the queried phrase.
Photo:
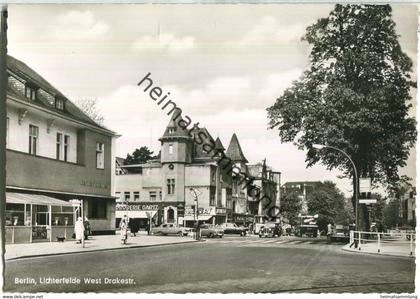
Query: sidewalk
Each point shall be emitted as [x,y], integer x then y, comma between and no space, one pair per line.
[95,243]
[390,249]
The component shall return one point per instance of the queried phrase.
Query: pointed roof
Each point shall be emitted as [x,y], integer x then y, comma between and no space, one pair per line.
[199,151]
[234,151]
[219,145]
[173,129]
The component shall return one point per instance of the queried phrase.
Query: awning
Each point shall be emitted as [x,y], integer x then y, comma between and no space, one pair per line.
[201,217]
[135,214]
[35,199]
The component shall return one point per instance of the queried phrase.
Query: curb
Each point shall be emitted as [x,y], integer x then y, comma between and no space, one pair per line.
[345,248]
[96,250]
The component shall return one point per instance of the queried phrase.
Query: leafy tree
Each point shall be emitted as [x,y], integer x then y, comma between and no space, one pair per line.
[329,203]
[354,96]
[140,155]
[391,214]
[291,206]
[90,107]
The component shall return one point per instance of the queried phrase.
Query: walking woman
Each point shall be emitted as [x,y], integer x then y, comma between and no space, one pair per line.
[79,229]
[124,231]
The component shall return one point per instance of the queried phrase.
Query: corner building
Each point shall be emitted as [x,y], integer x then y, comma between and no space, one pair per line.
[54,153]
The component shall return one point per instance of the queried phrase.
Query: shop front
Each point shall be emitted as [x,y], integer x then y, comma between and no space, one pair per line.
[203,215]
[139,215]
[243,219]
[37,218]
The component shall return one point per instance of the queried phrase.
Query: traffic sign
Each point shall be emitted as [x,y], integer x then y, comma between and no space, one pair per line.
[367,201]
[365,184]
[75,202]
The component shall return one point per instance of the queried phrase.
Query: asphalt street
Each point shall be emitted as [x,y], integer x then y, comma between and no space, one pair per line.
[230,264]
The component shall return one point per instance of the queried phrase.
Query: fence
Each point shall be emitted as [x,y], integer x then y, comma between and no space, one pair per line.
[391,242]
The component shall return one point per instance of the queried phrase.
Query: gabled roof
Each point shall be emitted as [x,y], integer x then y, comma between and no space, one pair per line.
[199,148]
[234,151]
[23,71]
[219,145]
[173,129]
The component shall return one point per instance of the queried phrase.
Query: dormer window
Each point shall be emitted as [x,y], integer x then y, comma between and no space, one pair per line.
[59,103]
[30,93]
[172,130]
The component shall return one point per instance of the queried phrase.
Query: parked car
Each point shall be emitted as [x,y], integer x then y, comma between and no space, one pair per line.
[232,228]
[270,230]
[211,231]
[170,229]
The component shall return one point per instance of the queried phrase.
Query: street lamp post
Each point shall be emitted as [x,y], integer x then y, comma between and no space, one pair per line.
[356,195]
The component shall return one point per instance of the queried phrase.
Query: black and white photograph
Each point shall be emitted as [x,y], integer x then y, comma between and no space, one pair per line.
[222,148]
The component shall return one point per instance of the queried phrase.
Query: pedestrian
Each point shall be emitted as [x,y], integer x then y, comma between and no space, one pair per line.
[148,227]
[79,229]
[124,231]
[134,227]
[329,231]
[87,228]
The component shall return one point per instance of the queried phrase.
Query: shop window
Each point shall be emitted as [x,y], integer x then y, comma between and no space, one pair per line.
[61,216]
[99,155]
[40,215]
[136,196]
[33,139]
[14,214]
[97,209]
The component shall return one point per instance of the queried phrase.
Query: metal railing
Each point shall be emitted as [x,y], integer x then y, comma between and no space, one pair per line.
[391,242]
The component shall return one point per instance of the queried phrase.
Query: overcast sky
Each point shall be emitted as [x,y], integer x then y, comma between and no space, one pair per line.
[223,65]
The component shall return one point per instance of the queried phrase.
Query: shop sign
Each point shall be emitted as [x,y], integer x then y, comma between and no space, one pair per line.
[94,184]
[201,211]
[220,211]
[136,207]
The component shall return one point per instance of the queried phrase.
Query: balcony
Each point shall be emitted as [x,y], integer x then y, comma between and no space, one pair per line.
[34,172]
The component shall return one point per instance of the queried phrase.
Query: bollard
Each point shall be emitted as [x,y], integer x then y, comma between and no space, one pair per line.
[359,243]
[379,242]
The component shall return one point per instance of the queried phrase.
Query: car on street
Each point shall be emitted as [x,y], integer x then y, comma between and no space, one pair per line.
[211,231]
[270,230]
[170,229]
[233,229]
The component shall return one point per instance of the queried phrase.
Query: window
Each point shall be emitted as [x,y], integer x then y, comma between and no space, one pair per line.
[171,186]
[171,148]
[136,196]
[99,155]
[97,209]
[152,195]
[118,196]
[59,104]
[66,147]
[59,145]
[33,139]
[30,93]
[126,196]
[172,130]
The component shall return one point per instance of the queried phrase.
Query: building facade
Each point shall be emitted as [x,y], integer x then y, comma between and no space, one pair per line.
[54,153]
[186,183]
